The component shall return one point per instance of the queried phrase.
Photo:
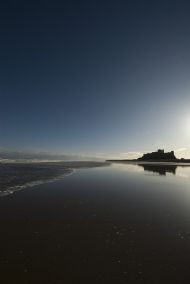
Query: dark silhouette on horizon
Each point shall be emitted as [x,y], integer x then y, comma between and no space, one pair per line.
[159,155]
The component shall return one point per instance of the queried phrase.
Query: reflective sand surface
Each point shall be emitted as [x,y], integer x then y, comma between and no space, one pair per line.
[117,224]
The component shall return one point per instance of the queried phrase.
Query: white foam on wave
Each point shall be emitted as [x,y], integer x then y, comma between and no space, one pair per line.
[4,193]
[13,189]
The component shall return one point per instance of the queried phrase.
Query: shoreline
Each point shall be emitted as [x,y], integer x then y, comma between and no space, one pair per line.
[161,163]
[17,176]
[13,189]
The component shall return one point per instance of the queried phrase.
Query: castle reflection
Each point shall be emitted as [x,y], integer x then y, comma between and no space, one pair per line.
[160,169]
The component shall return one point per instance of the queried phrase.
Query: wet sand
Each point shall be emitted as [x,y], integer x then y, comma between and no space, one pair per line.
[103,225]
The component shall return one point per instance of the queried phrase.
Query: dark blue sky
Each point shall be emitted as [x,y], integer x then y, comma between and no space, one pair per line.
[95,77]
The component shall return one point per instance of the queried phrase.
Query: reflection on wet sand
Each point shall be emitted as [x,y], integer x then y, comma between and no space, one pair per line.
[160,169]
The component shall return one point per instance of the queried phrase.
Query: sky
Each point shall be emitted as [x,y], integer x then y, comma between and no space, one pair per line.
[97,78]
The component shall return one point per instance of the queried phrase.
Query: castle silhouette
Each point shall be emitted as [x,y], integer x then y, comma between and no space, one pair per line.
[159,155]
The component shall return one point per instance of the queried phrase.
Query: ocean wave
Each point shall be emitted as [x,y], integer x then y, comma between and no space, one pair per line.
[16,188]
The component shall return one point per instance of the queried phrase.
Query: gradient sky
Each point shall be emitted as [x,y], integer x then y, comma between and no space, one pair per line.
[95,77]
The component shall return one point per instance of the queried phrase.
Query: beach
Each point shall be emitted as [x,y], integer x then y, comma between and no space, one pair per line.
[116,224]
